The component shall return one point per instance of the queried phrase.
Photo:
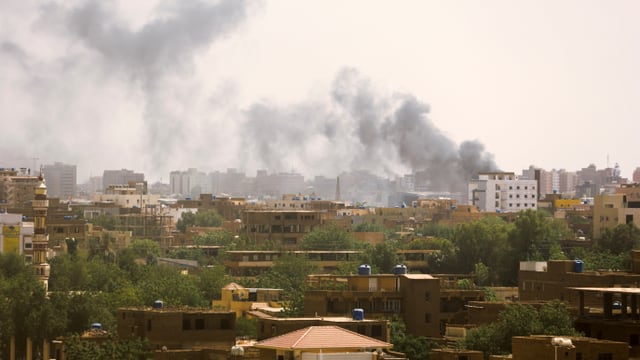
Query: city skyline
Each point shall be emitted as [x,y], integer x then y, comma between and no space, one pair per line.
[300,86]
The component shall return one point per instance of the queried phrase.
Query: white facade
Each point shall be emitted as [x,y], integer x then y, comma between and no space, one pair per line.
[503,192]
[129,200]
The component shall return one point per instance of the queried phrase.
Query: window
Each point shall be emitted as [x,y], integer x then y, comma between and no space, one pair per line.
[376,331]
[426,296]
[149,325]
[186,324]
[605,356]
[28,245]
[225,324]
[427,318]
[199,324]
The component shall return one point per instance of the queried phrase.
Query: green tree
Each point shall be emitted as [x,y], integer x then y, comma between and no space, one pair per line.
[168,284]
[552,318]
[415,347]
[442,261]
[330,238]
[382,257]
[289,273]
[77,348]
[211,280]
[107,221]
[620,239]
[484,241]
[367,227]
[204,218]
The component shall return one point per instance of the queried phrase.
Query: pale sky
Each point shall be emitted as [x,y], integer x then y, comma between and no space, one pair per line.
[157,86]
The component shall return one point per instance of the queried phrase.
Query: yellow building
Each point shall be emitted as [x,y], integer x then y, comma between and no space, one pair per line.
[611,210]
[241,300]
[566,203]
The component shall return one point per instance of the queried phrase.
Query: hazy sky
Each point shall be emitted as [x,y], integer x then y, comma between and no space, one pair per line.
[319,87]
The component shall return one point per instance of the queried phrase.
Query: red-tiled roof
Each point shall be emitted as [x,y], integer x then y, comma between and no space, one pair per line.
[322,337]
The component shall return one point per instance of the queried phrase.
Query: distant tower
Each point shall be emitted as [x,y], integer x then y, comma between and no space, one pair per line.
[40,237]
[338,188]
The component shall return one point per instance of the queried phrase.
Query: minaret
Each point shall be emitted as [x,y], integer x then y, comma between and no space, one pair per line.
[40,237]
[338,188]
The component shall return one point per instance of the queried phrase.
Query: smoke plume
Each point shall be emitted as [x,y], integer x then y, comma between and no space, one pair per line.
[82,85]
[359,128]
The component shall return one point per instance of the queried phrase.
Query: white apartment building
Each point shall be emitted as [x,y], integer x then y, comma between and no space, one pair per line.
[503,192]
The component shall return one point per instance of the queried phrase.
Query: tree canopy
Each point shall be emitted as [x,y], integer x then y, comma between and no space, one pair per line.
[204,218]
[330,238]
[552,318]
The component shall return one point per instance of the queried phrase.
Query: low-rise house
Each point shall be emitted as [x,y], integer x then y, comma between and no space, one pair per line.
[322,342]
[178,328]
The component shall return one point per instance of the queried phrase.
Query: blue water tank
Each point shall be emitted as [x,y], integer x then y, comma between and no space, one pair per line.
[158,304]
[358,314]
[578,266]
[400,269]
[96,326]
[364,269]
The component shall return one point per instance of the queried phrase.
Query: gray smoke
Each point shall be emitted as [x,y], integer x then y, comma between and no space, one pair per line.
[82,85]
[154,55]
[362,129]
[93,89]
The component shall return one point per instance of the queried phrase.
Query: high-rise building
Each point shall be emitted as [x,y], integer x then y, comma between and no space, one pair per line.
[503,192]
[636,175]
[120,177]
[190,183]
[61,180]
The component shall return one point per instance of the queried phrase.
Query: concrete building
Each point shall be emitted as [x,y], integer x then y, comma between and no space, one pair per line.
[636,175]
[17,187]
[190,183]
[120,177]
[503,192]
[254,262]
[242,300]
[287,227]
[178,328]
[567,348]
[551,280]
[611,210]
[16,235]
[61,180]
[425,303]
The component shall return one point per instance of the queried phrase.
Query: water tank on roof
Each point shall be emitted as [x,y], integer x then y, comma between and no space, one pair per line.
[96,326]
[364,269]
[158,304]
[400,269]
[578,266]
[358,314]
